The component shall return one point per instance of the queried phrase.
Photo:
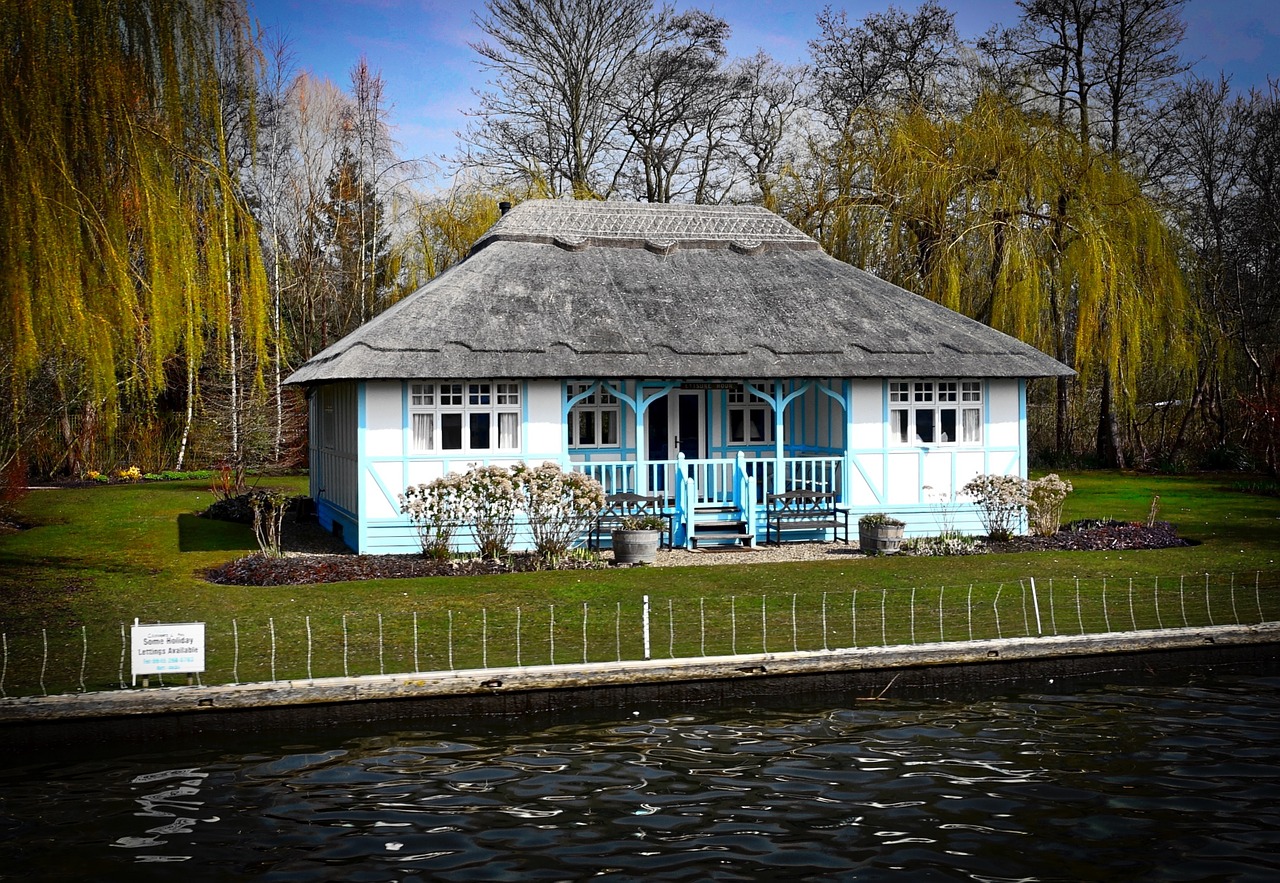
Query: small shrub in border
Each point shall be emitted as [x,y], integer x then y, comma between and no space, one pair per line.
[1045,498]
[1001,501]
[268,520]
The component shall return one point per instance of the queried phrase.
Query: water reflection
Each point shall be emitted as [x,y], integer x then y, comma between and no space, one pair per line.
[1144,782]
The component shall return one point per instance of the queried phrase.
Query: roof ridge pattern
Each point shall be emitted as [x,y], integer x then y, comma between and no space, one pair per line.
[571,223]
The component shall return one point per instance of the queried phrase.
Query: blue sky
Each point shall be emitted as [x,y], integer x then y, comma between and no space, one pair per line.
[420,46]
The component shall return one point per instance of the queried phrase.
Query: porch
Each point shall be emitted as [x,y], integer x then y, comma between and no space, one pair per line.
[719,501]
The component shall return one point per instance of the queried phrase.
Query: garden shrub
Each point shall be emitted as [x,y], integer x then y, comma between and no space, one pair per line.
[436,510]
[492,502]
[1045,498]
[560,505]
[268,520]
[1001,501]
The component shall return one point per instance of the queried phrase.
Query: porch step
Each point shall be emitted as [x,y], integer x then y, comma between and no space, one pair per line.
[719,532]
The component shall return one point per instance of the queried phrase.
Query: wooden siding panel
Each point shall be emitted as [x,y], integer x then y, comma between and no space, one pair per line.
[1002,407]
[384,413]
[544,434]
[868,414]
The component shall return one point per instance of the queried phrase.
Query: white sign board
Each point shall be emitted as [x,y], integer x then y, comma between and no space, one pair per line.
[166,648]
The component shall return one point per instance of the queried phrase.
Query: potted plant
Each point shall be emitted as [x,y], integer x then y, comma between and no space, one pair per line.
[635,540]
[879,532]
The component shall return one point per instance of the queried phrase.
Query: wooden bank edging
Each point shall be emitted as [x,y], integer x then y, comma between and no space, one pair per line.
[491,681]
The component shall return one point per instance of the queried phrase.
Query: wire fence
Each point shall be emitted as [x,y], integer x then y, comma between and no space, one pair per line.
[442,638]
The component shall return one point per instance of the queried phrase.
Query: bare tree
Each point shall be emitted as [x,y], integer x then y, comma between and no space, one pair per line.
[672,106]
[558,67]
[888,60]
[1105,63]
[770,96]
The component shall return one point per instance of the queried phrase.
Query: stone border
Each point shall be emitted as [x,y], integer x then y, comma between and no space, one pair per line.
[493,682]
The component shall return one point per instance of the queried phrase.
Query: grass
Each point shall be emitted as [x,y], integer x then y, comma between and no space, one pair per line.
[99,557]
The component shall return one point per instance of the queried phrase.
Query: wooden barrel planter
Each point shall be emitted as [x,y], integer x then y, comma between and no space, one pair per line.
[635,546]
[880,534]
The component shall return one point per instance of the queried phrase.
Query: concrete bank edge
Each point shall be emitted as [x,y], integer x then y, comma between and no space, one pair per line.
[491,681]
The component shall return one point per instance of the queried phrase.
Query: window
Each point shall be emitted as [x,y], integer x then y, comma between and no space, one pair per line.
[328,419]
[594,421]
[461,416]
[930,412]
[750,416]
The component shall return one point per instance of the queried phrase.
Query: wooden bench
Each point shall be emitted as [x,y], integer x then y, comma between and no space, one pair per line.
[621,506]
[804,510]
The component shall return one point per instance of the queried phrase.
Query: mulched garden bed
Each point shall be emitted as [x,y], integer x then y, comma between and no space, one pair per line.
[259,570]
[1098,536]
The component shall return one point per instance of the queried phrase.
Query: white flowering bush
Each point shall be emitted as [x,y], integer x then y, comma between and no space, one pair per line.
[490,498]
[1001,500]
[560,505]
[436,510]
[1045,498]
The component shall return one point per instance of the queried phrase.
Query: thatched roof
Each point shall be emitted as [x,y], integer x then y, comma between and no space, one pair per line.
[609,290]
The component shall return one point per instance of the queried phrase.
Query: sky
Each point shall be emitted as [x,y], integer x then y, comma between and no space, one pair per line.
[431,74]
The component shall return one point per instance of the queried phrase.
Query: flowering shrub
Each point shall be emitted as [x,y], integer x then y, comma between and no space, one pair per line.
[1001,501]
[560,505]
[436,510]
[1045,497]
[490,498]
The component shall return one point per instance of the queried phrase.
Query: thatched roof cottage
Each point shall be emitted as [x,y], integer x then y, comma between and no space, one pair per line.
[664,349]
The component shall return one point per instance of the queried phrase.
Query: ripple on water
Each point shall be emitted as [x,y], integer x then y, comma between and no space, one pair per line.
[1158,782]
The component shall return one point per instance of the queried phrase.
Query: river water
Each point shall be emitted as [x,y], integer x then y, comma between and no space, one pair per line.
[1165,781]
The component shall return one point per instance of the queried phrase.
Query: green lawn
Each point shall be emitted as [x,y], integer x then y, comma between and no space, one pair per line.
[99,557]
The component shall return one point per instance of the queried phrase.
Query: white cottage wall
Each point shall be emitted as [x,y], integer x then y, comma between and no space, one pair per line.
[334,420]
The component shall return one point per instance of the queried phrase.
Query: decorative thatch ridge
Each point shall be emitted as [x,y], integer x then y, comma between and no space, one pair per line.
[660,228]
[607,290]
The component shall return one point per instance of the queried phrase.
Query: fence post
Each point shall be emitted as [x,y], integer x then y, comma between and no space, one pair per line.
[764,623]
[1035,602]
[645,626]
[1208,607]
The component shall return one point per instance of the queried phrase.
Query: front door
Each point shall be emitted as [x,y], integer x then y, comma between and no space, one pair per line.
[675,425]
[686,419]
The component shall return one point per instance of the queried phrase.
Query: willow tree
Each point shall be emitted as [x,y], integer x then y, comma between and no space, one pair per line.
[125,242]
[1008,217]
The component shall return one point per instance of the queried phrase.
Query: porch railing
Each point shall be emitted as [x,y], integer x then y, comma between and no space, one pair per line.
[714,480]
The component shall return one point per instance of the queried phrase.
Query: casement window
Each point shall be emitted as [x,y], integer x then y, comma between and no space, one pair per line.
[480,416]
[750,416]
[935,412]
[328,419]
[594,421]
